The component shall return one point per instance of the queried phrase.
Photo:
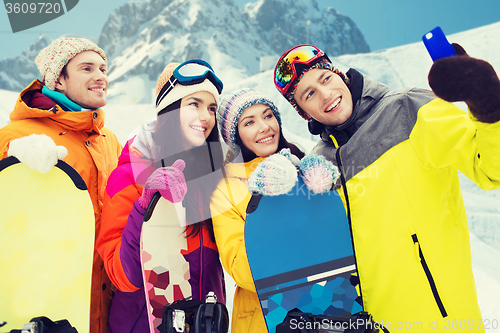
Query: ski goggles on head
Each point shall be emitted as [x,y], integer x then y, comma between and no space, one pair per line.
[189,73]
[291,62]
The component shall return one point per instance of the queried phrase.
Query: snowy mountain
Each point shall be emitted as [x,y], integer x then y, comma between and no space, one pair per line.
[398,67]
[141,38]
[16,73]
[285,24]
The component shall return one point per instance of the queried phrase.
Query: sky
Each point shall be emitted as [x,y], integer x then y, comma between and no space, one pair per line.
[384,23]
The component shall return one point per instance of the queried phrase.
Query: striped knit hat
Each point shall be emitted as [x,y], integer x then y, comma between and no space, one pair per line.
[52,59]
[322,64]
[231,108]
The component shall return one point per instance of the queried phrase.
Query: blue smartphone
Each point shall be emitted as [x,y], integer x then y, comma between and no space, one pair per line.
[437,45]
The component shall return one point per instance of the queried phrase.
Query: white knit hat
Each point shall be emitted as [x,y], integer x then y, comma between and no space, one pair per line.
[179,91]
[52,59]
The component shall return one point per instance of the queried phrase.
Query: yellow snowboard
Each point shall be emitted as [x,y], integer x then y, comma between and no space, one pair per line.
[46,245]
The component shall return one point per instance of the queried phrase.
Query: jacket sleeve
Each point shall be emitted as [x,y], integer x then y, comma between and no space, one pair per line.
[229,225]
[5,140]
[115,214]
[446,136]
[130,249]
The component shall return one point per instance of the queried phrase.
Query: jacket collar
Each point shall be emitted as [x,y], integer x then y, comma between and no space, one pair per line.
[30,105]
[242,170]
[365,93]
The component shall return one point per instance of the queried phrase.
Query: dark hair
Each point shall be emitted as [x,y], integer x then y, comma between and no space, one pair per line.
[200,161]
[249,155]
[64,71]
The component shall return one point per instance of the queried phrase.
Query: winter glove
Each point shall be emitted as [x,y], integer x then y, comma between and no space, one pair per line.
[467,79]
[318,174]
[275,175]
[169,181]
[38,151]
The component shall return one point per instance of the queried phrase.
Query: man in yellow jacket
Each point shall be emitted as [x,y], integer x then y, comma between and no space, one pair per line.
[61,118]
[399,152]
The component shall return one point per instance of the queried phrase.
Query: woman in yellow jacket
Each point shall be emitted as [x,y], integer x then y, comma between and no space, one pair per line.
[250,124]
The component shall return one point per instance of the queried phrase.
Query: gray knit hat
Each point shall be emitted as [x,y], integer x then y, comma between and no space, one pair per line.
[52,59]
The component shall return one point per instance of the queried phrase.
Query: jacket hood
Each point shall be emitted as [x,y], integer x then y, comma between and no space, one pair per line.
[365,93]
[37,100]
[137,156]
[136,166]
[142,142]
[30,105]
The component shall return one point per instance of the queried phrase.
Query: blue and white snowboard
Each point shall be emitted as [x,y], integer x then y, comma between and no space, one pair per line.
[300,252]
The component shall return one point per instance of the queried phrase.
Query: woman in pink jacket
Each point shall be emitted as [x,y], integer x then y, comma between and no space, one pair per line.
[168,155]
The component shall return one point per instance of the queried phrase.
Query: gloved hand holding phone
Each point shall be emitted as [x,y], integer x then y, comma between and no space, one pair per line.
[467,79]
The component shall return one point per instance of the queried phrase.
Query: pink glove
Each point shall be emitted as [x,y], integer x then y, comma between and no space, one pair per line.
[169,181]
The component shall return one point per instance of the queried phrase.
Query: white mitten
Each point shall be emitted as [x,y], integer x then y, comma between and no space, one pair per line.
[37,151]
[294,159]
[318,174]
[275,175]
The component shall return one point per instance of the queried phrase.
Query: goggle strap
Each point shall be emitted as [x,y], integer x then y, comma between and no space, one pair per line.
[165,90]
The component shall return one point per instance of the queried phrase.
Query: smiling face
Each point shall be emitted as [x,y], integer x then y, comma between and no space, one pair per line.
[197,117]
[324,96]
[259,130]
[86,82]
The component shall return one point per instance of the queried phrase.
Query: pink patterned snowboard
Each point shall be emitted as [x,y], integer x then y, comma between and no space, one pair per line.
[165,271]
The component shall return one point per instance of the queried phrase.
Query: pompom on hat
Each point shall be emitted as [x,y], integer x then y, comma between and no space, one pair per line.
[232,106]
[179,91]
[52,59]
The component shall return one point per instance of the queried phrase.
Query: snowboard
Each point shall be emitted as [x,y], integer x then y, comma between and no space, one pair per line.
[300,252]
[165,271]
[47,231]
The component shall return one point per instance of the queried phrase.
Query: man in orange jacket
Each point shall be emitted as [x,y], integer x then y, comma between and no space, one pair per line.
[61,118]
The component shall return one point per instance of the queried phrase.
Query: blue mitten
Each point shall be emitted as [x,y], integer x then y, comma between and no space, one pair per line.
[275,175]
[318,174]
